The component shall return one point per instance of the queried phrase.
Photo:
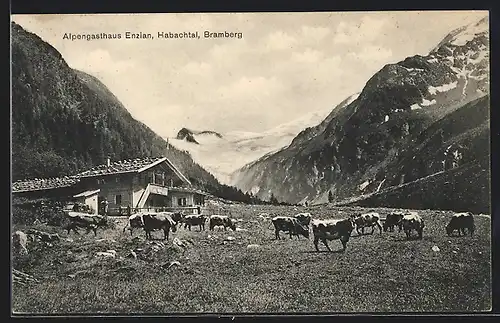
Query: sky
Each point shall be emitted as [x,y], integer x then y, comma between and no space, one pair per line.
[285,65]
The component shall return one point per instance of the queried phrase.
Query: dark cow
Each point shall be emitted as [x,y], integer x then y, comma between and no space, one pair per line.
[221,220]
[332,229]
[392,220]
[86,221]
[460,222]
[134,221]
[194,219]
[367,220]
[412,221]
[304,218]
[158,221]
[178,217]
[290,225]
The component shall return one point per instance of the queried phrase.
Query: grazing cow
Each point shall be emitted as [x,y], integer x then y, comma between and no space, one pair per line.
[221,220]
[158,221]
[365,220]
[290,225]
[194,219]
[43,236]
[460,222]
[19,243]
[332,229]
[304,218]
[392,220]
[178,217]
[412,221]
[135,221]
[86,221]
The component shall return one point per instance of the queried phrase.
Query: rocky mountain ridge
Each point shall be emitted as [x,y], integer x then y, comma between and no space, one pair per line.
[355,151]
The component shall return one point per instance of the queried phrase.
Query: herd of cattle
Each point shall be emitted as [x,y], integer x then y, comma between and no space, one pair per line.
[299,224]
[341,229]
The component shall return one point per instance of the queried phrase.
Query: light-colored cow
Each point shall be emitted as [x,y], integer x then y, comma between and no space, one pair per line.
[412,221]
[20,243]
[367,220]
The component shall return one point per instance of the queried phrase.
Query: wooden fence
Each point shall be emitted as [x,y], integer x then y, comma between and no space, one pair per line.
[126,211]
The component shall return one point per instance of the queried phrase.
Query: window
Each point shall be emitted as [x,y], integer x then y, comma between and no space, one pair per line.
[181,201]
[118,199]
[101,181]
[117,179]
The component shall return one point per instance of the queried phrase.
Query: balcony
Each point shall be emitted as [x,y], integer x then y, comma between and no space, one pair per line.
[157,189]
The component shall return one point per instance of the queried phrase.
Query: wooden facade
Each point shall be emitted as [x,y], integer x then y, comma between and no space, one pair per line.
[89,198]
[154,183]
[132,185]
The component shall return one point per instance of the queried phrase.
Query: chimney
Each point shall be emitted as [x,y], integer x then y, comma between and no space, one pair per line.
[108,161]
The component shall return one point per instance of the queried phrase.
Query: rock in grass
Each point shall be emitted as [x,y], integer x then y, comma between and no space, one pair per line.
[105,254]
[253,247]
[174,263]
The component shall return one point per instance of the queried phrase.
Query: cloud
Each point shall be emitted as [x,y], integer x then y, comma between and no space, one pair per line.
[286,64]
[164,119]
[314,33]
[254,87]
[229,51]
[366,30]
[279,40]
[197,68]
[371,54]
[308,56]
[100,60]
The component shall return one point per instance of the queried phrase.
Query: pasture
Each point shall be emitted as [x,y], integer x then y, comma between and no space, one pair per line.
[218,273]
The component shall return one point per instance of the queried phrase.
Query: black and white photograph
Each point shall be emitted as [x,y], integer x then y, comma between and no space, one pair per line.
[250,163]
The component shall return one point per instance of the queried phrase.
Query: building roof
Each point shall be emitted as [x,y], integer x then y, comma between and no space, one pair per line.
[177,172]
[38,184]
[87,193]
[188,190]
[136,165]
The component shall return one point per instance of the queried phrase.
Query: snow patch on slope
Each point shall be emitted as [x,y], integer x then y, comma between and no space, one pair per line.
[223,156]
[415,106]
[471,31]
[363,185]
[442,88]
[426,103]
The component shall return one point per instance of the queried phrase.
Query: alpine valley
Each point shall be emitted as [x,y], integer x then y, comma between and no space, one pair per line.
[416,136]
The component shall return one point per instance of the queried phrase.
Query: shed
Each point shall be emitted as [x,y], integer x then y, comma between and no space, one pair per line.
[89,198]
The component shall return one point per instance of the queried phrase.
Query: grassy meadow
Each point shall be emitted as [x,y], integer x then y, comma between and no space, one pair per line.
[218,273]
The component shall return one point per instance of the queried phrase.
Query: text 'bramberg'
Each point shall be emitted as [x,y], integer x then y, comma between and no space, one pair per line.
[160,35]
[206,34]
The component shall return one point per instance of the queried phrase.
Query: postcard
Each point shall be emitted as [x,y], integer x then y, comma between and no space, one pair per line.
[251,163]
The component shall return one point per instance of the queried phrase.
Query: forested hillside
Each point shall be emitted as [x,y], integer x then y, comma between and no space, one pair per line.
[64,121]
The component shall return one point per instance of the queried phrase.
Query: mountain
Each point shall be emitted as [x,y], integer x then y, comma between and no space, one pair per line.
[429,184]
[188,135]
[239,148]
[65,120]
[382,138]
